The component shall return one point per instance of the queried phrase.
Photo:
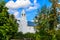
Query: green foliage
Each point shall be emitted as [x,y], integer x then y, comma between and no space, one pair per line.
[58,34]
[29,35]
[19,35]
[46,24]
[8,24]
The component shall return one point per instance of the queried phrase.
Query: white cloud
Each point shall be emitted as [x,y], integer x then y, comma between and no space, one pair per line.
[10,4]
[35,1]
[10,11]
[20,4]
[17,4]
[32,20]
[23,3]
[36,6]
[32,7]
[16,14]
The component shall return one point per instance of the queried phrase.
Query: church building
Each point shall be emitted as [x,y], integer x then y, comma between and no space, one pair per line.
[24,25]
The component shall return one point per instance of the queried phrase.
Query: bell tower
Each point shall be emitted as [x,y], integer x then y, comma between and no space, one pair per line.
[23,22]
[23,13]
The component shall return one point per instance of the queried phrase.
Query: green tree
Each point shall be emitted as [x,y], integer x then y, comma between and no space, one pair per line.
[46,24]
[29,36]
[42,24]
[54,12]
[8,24]
[19,35]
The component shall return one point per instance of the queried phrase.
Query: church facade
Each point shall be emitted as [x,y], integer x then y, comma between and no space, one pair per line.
[24,25]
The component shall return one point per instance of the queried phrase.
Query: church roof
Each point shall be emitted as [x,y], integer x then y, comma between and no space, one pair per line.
[31,23]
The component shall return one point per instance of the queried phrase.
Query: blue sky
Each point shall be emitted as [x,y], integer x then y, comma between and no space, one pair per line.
[33,12]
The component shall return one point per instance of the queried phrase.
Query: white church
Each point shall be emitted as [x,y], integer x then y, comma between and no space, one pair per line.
[24,25]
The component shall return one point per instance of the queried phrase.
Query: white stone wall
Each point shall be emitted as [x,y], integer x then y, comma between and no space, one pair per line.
[23,24]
